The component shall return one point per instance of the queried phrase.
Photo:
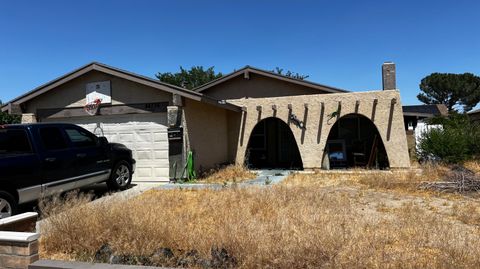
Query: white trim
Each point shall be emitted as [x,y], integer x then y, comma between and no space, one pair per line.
[17,218]
[19,237]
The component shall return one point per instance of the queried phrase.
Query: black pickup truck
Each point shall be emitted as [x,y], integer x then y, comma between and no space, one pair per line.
[41,159]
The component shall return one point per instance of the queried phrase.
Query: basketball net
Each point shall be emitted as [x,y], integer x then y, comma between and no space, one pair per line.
[92,107]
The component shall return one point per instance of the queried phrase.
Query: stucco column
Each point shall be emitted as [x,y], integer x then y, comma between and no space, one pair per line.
[29,118]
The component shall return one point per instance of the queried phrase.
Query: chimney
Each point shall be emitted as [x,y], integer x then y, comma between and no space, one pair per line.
[388,76]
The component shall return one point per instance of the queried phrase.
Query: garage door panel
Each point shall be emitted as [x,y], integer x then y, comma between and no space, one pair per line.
[161,171]
[145,134]
[151,145]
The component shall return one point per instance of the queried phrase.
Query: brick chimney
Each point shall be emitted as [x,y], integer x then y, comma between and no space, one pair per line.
[388,76]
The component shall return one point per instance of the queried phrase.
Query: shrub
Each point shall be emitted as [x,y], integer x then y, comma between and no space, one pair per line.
[458,140]
[6,118]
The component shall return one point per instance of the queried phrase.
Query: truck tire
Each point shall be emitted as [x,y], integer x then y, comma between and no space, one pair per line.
[121,176]
[8,205]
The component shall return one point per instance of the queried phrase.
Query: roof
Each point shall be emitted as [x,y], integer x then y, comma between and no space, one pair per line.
[477,111]
[248,69]
[122,74]
[426,111]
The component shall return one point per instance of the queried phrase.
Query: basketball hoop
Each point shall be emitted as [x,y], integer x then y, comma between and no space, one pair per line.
[92,107]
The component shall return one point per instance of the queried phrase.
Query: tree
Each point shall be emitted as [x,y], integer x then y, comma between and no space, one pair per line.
[198,75]
[190,79]
[6,118]
[451,89]
[289,74]
[457,140]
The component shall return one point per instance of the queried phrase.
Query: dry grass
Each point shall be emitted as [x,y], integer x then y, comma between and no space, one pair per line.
[230,174]
[400,181]
[473,165]
[293,225]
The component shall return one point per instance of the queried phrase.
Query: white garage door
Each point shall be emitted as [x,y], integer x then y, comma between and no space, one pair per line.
[144,134]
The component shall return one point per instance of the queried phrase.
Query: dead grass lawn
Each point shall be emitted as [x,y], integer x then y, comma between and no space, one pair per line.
[228,174]
[309,221]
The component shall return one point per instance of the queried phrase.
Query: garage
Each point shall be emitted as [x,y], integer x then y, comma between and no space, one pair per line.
[145,134]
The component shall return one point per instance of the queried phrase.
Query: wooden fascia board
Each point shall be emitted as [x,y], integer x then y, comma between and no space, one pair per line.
[220,80]
[267,74]
[146,82]
[295,81]
[54,84]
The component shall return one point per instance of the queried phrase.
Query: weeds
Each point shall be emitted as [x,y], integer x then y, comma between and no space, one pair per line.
[228,174]
[285,226]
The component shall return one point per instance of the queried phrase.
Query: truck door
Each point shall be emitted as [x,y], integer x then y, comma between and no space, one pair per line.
[57,160]
[92,162]
[19,165]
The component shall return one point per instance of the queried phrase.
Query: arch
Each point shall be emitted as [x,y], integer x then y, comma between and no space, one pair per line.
[354,141]
[272,145]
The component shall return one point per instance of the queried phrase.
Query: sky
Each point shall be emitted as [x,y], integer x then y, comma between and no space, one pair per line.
[337,43]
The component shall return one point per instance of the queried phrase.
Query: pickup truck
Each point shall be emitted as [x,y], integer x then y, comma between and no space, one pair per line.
[42,159]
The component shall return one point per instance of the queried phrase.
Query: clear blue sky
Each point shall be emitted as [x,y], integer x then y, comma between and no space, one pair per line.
[337,43]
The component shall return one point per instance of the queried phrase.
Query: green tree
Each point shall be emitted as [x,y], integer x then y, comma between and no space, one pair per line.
[451,89]
[457,140]
[189,79]
[289,74]
[6,118]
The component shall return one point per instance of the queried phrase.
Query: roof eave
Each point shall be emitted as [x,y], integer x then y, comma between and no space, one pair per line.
[271,75]
[119,73]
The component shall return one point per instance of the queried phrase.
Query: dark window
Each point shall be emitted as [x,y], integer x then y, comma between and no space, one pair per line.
[80,138]
[52,138]
[14,142]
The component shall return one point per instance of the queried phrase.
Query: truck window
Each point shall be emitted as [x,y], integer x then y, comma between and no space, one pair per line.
[14,142]
[80,138]
[52,138]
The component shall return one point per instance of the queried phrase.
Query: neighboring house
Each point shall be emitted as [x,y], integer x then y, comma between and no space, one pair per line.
[414,117]
[250,116]
[474,115]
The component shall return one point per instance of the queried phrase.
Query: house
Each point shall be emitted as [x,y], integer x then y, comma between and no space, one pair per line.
[251,116]
[474,115]
[416,123]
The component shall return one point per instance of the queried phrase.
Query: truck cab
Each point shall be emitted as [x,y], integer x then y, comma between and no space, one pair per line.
[42,159]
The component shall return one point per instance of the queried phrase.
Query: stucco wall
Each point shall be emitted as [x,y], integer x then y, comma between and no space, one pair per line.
[233,129]
[257,86]
[72,93]
[311,141]
[206,133]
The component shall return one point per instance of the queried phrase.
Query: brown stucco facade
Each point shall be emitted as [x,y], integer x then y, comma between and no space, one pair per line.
[257,86]
[72,93]
[383,108]
[206,134]
[217,120]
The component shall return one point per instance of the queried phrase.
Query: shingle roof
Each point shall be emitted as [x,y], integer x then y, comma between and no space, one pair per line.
[477,111]
[119,73]
[425,110]
[258,71]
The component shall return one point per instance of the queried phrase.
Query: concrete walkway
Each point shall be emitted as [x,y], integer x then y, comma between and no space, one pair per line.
[264,177]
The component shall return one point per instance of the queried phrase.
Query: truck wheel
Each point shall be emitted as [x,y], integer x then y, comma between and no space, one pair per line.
[121,176]
[8,205]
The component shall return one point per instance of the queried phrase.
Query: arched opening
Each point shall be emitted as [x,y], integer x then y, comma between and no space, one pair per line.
[354,141]
[272,145]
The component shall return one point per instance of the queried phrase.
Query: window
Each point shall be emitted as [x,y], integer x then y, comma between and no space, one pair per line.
[14,142]
[52,138]
[80,138]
